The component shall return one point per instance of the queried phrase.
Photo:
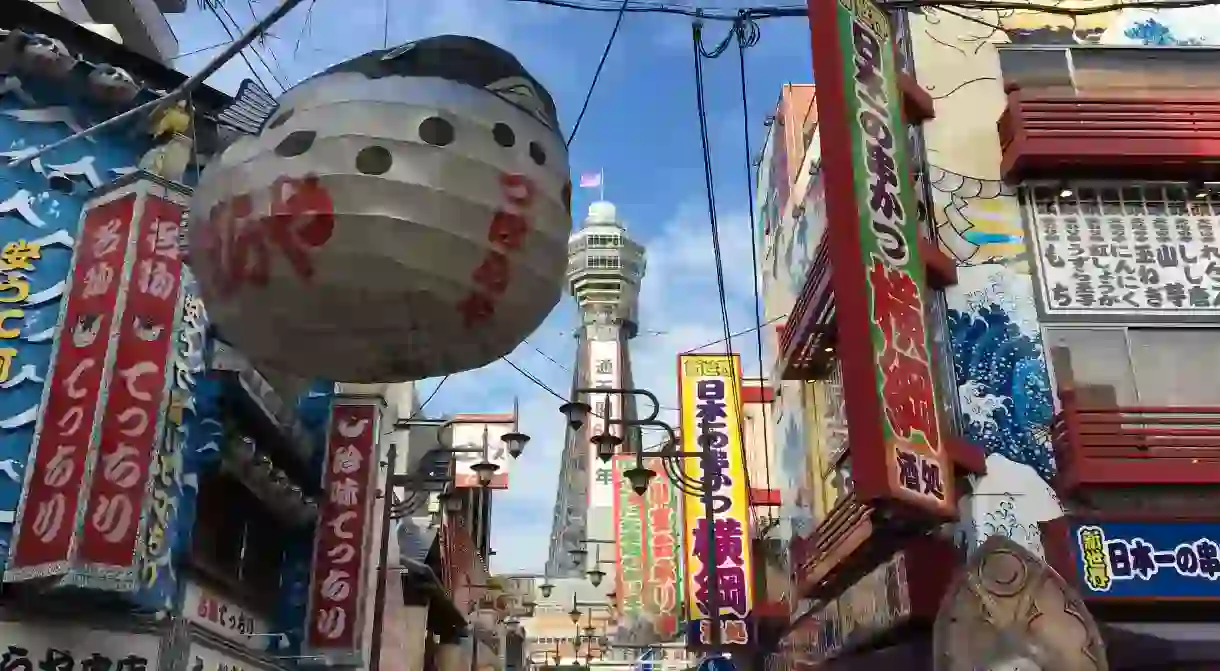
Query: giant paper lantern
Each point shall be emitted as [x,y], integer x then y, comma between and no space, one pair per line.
[402,215]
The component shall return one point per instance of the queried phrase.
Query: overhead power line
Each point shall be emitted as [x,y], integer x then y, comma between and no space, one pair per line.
[791,11]
[618,22]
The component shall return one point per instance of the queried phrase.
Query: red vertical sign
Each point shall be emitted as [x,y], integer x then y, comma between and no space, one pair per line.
[136,391]
[63,438]
[340,554]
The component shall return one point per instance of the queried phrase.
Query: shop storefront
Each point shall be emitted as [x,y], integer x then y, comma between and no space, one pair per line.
[29,643]
[216,634]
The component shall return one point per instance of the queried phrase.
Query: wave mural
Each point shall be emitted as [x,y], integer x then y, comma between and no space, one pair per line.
[1004,389]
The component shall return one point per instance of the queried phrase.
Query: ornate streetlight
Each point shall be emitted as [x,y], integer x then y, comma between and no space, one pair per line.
[672,458]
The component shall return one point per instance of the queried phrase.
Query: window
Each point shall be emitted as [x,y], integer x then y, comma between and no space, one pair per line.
[237,542]
[603,262]
[1111,367]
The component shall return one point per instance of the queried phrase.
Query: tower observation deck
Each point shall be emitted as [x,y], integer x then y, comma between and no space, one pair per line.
[605,270]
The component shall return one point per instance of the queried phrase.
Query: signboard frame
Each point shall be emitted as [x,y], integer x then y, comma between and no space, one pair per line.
[878,278]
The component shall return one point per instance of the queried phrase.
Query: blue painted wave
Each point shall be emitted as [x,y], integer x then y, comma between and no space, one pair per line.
[993,359]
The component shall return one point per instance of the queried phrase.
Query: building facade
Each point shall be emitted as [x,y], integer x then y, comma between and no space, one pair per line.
[165,504]
[1052,396]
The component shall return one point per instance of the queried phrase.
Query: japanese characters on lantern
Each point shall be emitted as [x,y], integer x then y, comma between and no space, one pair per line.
[336,602]
[506,232]
[887,367]
[16,260]
[710,392]
[136,391]
[63,437]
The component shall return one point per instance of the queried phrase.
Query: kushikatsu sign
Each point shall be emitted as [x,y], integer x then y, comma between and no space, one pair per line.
[104,406]
[709,388]
[341,552]
[896,446]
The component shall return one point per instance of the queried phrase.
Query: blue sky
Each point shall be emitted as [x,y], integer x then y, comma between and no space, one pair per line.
[641,129]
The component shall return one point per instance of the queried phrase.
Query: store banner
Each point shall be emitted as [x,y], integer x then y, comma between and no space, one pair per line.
[630,518]
[33,644]
[219,615]
[163,510]
[342,552]
[136,395]
[1146,560]
[104,408]
[64,436]
[709,388]
[663,550]
[878,276]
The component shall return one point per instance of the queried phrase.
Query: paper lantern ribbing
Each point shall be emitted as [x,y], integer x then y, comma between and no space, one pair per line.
[402,215]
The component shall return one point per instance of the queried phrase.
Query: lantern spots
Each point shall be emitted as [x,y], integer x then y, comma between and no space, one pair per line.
[537,153]
[374,160]
[279,120]
[296,143]
[436,131]
[503,134]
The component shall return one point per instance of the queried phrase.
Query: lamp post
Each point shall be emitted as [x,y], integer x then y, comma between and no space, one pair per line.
[514,442]
[640,477]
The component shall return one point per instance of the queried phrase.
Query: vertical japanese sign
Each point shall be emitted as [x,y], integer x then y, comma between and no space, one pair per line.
[663,591]
[89,319]
[709,387]
[341,552]
[136,392]
[878,276]
[604,373]
[163,510]
[630,517]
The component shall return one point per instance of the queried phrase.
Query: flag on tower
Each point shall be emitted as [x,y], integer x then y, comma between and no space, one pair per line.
[590,180]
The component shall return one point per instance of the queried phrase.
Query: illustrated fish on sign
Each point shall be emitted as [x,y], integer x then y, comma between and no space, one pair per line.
[353,429]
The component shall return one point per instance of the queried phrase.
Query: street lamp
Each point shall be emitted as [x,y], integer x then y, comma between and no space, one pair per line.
[672,458]
[546,587]
[575,612]
[595,573]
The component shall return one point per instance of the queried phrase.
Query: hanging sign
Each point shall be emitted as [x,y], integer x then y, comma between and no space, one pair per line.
[341,554]
[878,278]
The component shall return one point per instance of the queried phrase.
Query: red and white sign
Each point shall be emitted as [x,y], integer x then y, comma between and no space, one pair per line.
[336,603]
[43,537]
[662,594]
[136,393]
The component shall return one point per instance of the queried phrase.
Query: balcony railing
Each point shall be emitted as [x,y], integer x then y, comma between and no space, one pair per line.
[1102,111]
[809,330]
[1134,445]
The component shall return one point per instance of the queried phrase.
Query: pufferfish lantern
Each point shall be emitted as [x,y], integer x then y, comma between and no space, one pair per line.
[402,215]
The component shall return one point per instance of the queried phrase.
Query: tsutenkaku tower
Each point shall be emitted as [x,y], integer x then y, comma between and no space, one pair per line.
[605,270]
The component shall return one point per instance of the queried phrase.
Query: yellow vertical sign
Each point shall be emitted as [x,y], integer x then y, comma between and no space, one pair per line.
[709,386]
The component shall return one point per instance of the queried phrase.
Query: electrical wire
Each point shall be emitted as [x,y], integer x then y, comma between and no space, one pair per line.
[435,390]
[752,329]
[721,291]
[792,11]
[210,5]
[262,40]
[748,34]
[618,22]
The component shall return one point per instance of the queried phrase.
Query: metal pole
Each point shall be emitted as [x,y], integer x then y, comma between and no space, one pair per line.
[193,82]
[709,513]
[383,569]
